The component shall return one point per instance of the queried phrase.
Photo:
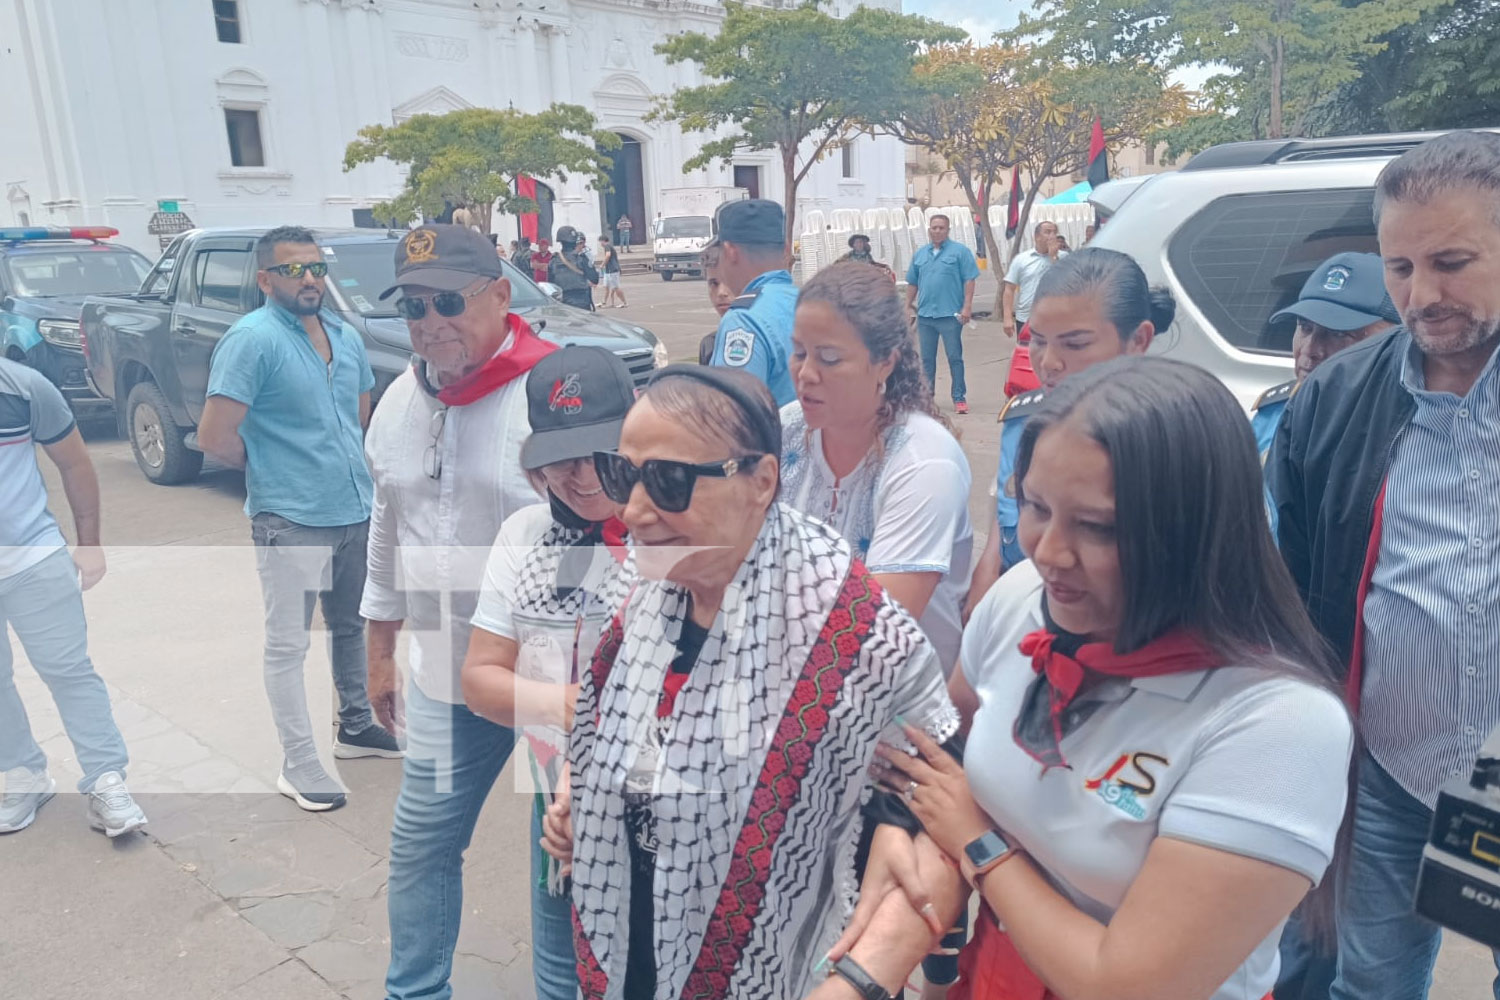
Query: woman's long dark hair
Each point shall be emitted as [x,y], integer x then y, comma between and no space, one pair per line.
[865,297]
[1195,543]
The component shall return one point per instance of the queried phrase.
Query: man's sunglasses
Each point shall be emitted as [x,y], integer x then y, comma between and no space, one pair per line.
[296,269]
[669,484]
[450,304]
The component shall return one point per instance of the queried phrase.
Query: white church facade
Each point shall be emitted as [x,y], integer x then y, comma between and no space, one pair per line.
[239,110]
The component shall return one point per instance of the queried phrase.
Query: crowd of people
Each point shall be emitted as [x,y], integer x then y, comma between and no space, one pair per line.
[1179,726]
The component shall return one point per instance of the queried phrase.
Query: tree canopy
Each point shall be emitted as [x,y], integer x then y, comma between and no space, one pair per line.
[797,81]
[987,109]
[471,158]
[1286,63]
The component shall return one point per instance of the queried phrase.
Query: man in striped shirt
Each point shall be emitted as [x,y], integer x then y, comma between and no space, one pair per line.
[1385,474]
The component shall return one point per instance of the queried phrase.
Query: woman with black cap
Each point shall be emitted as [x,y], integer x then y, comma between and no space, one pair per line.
[545,600]
[726,722]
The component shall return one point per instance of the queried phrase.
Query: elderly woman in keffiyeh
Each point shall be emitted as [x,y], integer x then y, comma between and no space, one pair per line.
[720,797]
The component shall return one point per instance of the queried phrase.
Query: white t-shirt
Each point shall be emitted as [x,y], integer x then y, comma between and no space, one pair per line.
[1237,758]
[1025,272]
[904,512]
[555,635]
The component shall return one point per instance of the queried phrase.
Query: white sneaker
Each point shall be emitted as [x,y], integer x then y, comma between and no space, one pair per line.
[111,809]
[25,792]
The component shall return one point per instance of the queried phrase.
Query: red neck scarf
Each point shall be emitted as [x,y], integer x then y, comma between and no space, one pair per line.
[525,351]
[1066,663]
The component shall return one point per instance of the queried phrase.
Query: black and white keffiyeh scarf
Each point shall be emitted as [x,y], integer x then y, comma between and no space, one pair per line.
[761,772]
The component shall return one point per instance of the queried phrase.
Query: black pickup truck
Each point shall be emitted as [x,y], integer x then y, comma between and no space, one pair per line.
[150,351]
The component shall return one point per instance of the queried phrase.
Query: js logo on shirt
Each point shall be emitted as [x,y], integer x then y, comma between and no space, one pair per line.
[1124,788]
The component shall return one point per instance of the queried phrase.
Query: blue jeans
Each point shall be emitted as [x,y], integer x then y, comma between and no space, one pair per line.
[297,565]
[1386,951]
[45,606]
[452,760]
[951,332]
[553,964]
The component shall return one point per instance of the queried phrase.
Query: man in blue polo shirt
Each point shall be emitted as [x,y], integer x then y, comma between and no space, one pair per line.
[288,399]
[940,281]
[755,334]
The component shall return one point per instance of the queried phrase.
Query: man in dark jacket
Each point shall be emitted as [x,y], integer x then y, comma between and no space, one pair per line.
[1384,475]
[572,271]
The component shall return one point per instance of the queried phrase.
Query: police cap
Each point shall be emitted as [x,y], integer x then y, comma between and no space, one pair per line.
[752,222]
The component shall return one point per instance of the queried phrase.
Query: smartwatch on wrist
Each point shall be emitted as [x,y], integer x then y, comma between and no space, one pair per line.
[984,854]
[864,984]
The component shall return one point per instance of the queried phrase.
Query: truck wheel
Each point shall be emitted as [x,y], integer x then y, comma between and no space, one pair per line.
[667,275]
[156,439]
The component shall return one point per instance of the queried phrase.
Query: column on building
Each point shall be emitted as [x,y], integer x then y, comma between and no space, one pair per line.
[527,97]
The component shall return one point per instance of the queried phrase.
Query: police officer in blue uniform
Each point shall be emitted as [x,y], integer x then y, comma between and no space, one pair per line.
[755,335]
[1343,302]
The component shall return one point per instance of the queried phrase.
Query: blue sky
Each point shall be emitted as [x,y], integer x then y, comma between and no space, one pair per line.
[980,18]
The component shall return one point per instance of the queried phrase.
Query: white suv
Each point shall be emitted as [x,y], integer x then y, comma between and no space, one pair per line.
[1235,233]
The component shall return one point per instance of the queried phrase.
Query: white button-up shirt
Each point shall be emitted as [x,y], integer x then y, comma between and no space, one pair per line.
[446,478]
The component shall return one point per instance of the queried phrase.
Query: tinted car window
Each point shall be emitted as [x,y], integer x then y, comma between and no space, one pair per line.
[220,276]
[84,271]
[1245,257]
[361,271]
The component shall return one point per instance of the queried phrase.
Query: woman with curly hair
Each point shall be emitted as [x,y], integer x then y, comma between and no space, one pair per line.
[865,449]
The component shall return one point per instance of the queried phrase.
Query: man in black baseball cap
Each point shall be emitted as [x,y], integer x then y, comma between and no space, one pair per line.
[756,333]
[443,258]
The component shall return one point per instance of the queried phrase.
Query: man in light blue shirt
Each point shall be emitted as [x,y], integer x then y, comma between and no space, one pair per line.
[288,399]
[940,282]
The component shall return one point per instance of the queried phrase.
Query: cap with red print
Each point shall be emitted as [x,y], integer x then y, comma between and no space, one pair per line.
[576,399]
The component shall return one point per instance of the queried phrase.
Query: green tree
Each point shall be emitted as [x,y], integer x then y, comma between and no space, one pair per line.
[798,81]
[1284,59]
[1436,73]
[471,158]
[986,109]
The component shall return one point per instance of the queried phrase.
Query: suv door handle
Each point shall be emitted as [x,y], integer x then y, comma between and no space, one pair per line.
[185,327]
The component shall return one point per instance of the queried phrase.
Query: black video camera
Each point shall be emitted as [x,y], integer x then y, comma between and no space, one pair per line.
[1458,884]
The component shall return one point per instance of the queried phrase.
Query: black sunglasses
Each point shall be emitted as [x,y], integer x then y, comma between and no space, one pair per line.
[317,269]
[669,484]
[450,304]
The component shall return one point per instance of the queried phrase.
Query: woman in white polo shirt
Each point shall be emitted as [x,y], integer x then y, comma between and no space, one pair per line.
[1157,761]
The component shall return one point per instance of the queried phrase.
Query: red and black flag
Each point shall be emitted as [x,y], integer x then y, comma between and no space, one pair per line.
[1013,212]
[1098,155]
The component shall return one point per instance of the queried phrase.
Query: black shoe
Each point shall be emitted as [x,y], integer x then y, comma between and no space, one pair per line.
[310,787]
[372,741]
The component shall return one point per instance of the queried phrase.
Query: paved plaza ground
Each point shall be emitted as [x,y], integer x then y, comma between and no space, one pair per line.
[234,892]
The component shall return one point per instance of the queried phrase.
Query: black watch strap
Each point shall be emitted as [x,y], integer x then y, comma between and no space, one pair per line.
[862,981]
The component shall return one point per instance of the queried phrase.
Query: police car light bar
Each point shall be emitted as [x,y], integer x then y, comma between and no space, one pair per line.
[84,233]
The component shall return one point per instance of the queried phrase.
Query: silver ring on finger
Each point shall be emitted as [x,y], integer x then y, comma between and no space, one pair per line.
[908,792]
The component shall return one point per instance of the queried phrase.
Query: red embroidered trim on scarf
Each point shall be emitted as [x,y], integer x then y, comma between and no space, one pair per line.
[803,724]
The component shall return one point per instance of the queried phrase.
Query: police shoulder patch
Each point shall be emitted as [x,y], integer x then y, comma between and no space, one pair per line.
[1276,394]
[1022,404]
[739,345]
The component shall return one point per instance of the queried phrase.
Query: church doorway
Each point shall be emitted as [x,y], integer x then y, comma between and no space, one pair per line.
[747,177]
[627,191]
